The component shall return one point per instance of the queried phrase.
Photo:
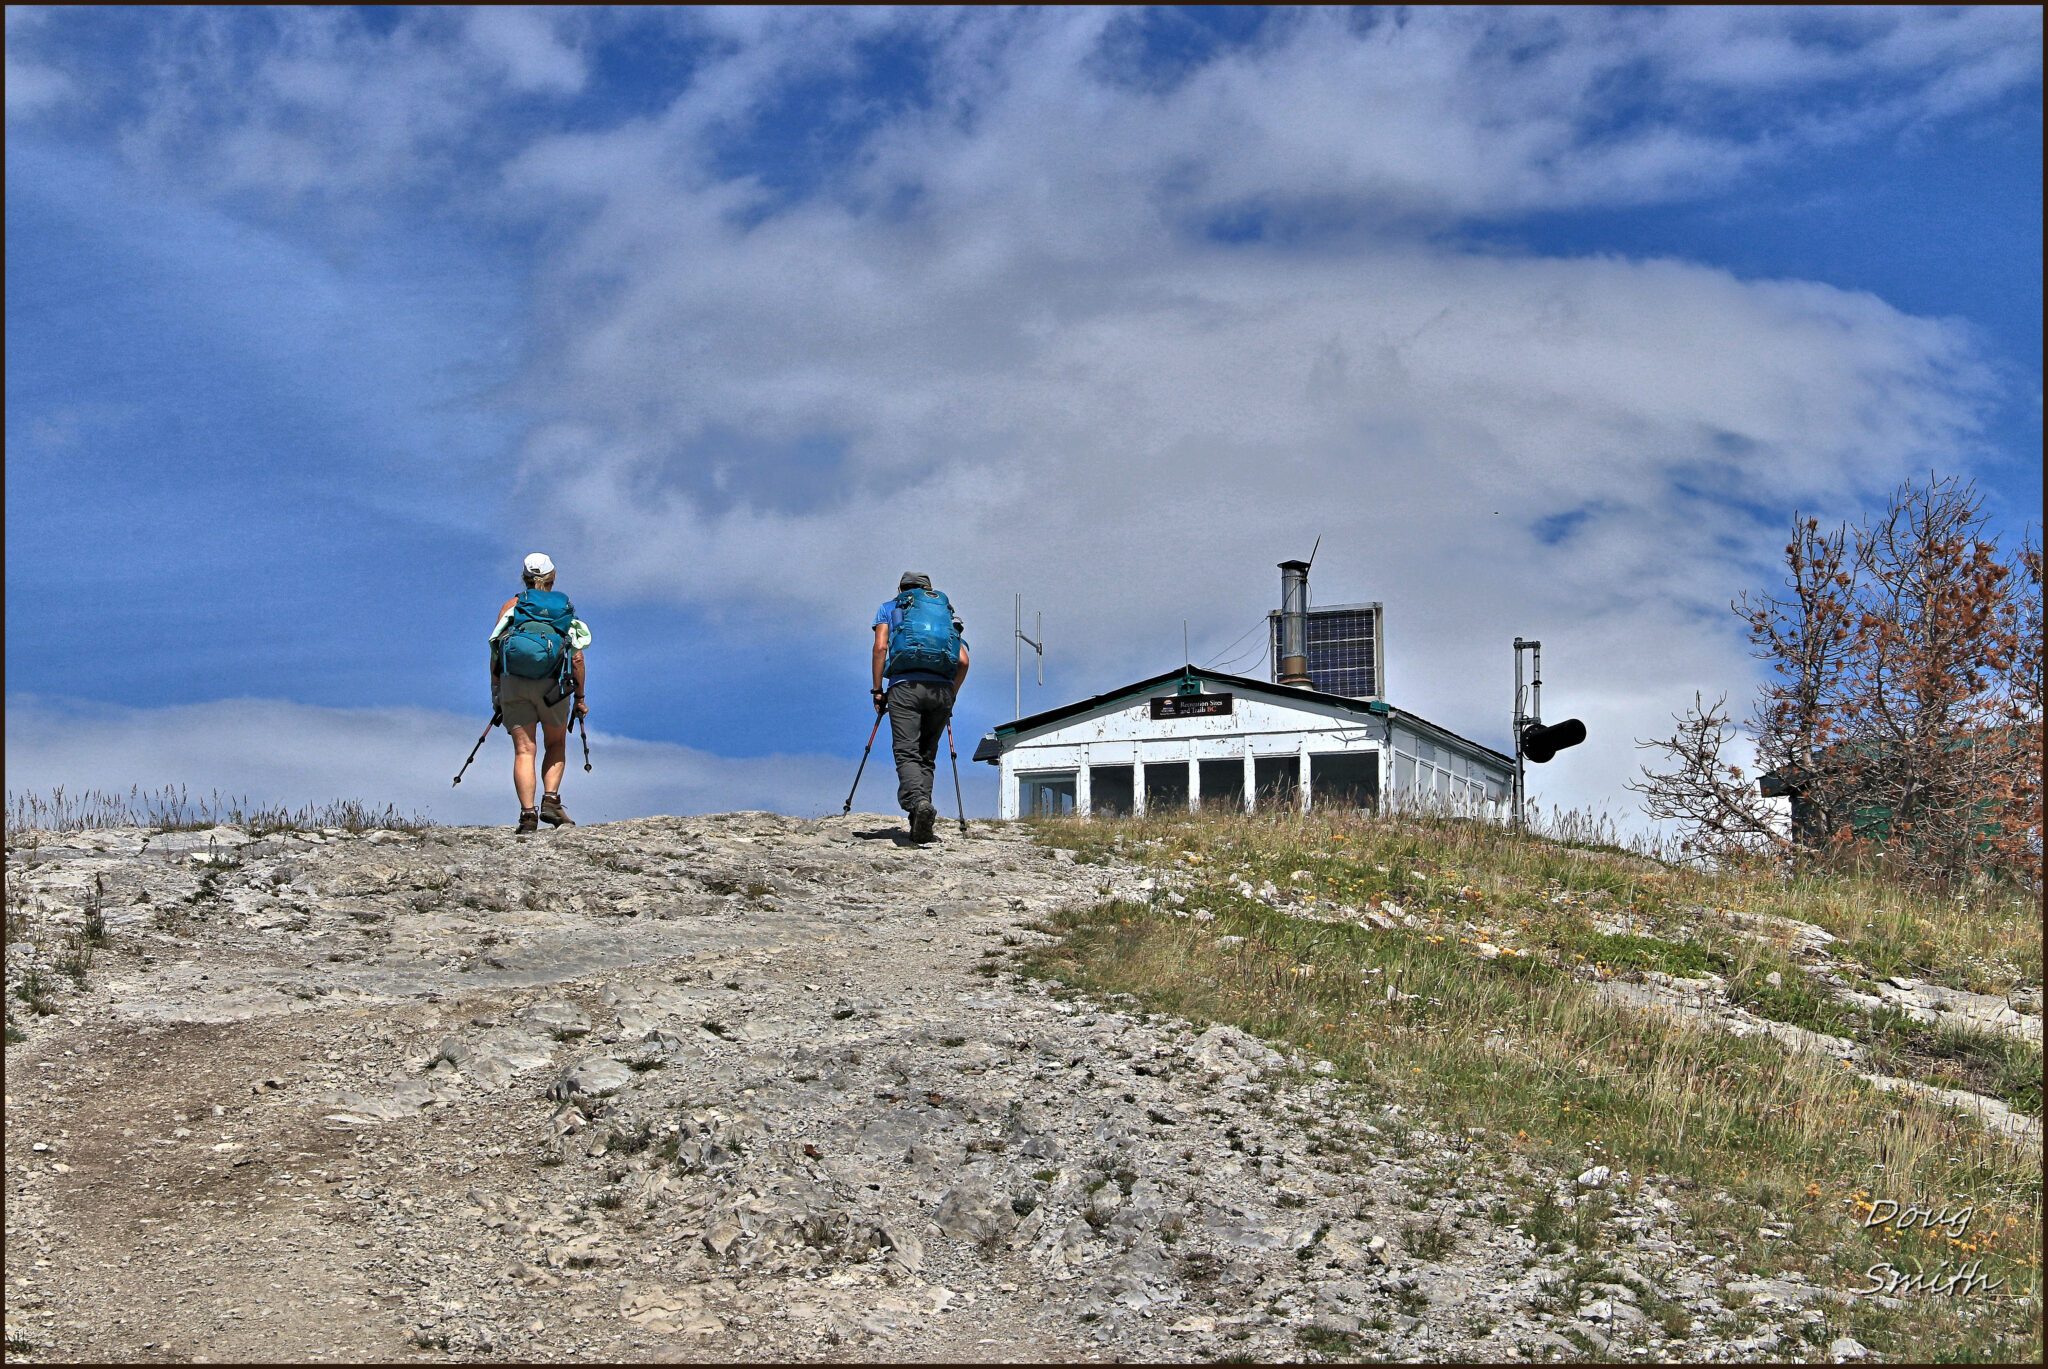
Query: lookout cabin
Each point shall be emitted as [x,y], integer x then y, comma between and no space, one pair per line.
[1194,738]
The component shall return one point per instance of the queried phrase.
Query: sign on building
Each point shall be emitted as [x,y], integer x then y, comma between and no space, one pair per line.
[1193,706]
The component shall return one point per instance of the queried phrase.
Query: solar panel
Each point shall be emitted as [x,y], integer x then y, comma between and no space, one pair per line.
[1343,650]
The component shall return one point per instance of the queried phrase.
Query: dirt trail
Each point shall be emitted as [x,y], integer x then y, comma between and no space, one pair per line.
[735,1087]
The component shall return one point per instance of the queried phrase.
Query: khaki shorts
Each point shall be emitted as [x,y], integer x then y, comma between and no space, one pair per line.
[524,702]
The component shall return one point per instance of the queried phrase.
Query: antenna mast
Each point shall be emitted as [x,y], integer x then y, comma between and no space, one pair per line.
[1017,646]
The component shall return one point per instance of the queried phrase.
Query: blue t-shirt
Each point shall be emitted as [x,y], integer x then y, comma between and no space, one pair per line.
[893,616]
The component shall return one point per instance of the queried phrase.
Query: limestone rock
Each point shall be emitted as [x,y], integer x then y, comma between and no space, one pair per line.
[599,1076]
[560,1018]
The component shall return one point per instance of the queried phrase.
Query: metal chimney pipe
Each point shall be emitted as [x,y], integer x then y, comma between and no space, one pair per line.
[1294,624]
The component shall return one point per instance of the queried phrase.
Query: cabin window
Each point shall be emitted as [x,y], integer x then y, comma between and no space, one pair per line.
[1046,793]
[1166,786]
[1110,791]
[1344,779]
[1278,779]
[1222,784]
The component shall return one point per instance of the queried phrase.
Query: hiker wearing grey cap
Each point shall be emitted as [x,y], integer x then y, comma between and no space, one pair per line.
[537,681]
[918,664]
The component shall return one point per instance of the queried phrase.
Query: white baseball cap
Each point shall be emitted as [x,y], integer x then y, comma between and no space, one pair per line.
[538,564]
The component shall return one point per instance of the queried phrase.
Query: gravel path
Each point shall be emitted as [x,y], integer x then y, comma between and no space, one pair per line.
[734,1087]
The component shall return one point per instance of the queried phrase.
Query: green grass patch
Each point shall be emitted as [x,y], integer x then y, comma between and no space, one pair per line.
[1798,1000]
[1991,1063]
[1627,951]
[1328,1344]
[1994,1064]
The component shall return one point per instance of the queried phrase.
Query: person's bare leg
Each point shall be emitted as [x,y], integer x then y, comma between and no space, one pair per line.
[522,763]
[557,756]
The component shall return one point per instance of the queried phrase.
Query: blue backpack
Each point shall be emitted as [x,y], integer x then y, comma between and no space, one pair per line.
[927,640]
[536,642]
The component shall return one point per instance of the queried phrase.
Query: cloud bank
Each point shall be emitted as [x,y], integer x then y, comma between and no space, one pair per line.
[272,751]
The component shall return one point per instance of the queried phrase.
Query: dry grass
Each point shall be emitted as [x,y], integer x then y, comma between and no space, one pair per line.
[175,808]
[1519,1044]
[1986,939]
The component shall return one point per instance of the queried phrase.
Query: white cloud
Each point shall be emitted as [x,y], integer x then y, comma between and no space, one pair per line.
[1426,111]
[1134,443]
[32,86]
[319,102]
[526,42]
[274,751]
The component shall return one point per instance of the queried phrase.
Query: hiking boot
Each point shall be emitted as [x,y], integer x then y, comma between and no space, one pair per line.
[552,812]
[529,822]
[922,819]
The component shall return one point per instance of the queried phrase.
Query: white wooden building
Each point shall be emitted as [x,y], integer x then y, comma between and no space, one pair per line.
[1193,738]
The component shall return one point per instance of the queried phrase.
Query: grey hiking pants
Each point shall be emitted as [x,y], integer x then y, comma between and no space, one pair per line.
[918,713]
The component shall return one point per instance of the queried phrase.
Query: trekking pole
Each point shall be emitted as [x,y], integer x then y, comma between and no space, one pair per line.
[847,807]
[583,727]
[962,803]
[479,744]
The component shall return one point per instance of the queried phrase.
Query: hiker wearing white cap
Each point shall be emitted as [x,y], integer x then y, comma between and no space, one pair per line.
[919,650]
[537,681]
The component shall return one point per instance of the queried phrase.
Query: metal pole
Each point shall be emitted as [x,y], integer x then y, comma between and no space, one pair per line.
[1534,715]
[1515,817]
[958,802]
[1018,641]
[479,744]
[847,807]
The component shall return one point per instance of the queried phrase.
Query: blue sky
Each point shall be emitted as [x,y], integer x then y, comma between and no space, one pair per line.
[318,320]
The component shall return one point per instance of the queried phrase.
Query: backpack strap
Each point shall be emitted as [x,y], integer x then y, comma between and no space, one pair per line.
[505,629]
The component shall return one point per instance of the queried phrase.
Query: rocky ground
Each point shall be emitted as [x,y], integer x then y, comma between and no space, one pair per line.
[734,1087]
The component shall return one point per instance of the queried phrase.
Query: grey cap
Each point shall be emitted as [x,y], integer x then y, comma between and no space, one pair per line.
[912,580]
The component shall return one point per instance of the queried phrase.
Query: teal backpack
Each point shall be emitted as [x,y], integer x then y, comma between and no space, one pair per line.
[536,642]
[927,640]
